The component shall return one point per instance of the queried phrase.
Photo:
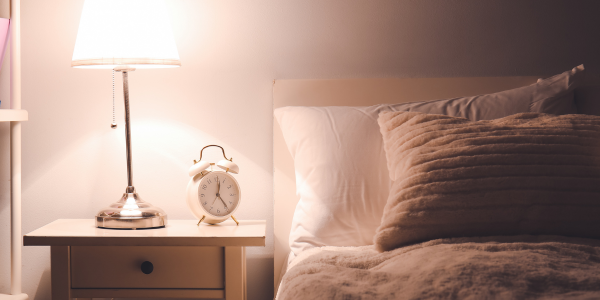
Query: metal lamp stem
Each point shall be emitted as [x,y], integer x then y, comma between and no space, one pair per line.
[130,188]
[131,212]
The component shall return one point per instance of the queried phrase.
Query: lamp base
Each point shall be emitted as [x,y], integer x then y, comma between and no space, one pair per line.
[131,212]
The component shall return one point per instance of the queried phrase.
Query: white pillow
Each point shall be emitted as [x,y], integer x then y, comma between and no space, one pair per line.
[340,164]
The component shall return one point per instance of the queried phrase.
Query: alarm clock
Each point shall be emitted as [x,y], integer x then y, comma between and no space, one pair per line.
[213,195]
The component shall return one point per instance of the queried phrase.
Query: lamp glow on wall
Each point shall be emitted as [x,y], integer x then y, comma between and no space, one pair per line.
[124,35]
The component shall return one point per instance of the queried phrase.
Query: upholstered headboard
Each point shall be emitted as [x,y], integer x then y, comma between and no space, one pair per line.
[355,92]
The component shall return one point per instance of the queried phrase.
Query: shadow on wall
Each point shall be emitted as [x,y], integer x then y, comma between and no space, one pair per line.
[44,289]
[255,284]
[587,97]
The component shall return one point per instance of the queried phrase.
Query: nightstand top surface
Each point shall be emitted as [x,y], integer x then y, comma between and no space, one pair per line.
[83,232]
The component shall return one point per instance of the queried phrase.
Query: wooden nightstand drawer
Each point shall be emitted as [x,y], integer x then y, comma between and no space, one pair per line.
[184,267]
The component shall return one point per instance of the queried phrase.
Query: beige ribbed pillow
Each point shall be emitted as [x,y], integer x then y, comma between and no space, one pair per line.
[527,173]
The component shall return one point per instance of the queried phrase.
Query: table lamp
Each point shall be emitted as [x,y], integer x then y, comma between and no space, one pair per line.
[125,35]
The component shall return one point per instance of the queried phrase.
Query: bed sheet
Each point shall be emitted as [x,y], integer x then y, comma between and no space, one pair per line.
[501,267]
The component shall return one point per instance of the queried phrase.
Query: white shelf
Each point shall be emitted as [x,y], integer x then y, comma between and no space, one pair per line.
[7,115]
[12,9]
[14,297]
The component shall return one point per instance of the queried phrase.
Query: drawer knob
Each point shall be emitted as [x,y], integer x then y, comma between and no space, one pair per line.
[147,267]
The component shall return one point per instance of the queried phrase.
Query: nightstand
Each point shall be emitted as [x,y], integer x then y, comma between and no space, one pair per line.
[182,260]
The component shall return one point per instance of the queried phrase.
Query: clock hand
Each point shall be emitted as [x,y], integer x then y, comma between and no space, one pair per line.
[218,190]
[223,202]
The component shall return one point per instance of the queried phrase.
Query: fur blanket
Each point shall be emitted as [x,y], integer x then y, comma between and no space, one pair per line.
[503,267]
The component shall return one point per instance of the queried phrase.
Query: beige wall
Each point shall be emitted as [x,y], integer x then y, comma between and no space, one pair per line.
[73,163]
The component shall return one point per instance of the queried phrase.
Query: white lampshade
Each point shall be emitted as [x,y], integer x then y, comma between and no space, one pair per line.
[135,33]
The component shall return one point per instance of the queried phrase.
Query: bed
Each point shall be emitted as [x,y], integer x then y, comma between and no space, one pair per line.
[360,271]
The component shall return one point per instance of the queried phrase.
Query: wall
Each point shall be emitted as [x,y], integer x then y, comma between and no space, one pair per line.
[74,164]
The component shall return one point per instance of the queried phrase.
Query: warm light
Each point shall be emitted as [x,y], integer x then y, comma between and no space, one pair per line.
[136,33]
[131,208]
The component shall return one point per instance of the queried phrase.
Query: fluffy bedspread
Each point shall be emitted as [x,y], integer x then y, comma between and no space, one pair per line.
[501,267]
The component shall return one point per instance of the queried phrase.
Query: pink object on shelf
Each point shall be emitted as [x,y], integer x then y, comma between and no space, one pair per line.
[4,35]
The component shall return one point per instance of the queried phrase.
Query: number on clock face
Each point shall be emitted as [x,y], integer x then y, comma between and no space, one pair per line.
[219,195]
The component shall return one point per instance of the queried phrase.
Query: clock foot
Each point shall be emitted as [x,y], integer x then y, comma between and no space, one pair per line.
[236,221]
[200,220]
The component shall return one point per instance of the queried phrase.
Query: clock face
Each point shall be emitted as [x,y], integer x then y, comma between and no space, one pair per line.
[219,193]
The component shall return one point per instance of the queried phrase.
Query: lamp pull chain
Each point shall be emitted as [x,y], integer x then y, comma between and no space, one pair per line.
[113,125]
